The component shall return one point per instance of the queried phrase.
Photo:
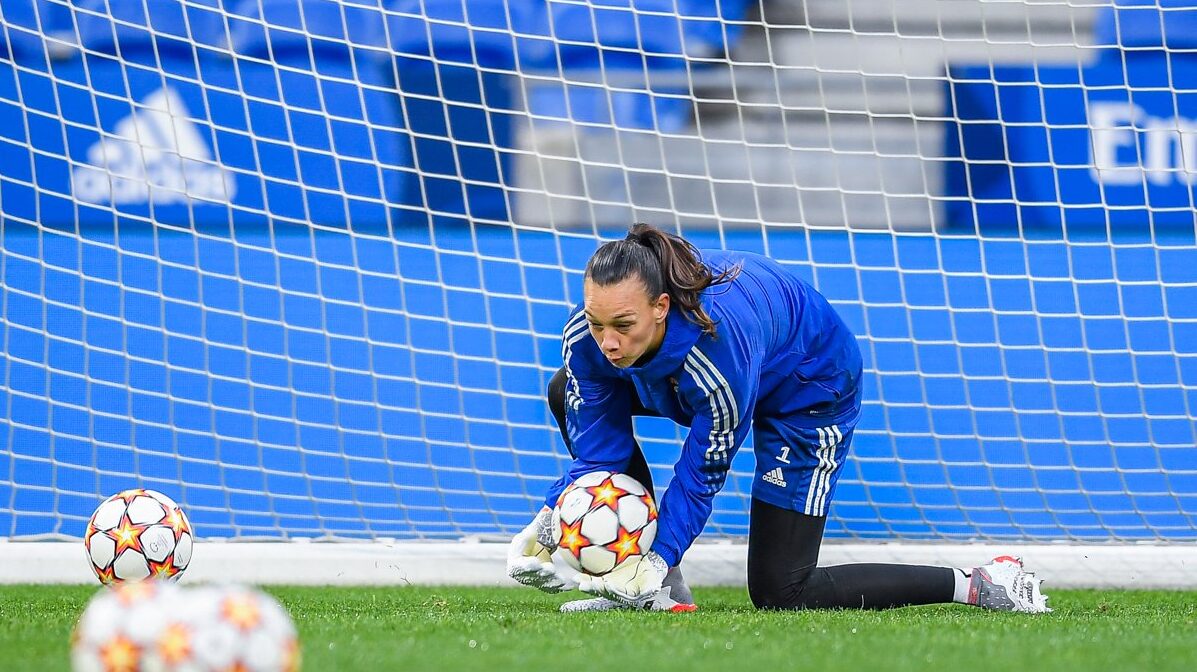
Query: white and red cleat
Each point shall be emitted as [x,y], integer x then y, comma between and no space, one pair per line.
[1003,585]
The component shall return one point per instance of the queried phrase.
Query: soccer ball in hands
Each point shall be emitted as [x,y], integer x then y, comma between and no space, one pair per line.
[602,520]
[153,626]
[138,534]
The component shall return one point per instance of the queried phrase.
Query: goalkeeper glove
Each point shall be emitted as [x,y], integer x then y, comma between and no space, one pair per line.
[634,583]
[530,556]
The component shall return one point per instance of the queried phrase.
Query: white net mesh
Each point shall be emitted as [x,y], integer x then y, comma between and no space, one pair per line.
[303,265]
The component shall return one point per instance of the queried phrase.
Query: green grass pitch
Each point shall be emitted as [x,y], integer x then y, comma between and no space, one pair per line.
[448,629]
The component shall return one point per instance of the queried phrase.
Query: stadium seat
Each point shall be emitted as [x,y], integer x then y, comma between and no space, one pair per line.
[330,134]
[162,26]
[455,64]
[631,47]
[709,29]
[1150,24]
[493,34]
[23,25]
[642,47]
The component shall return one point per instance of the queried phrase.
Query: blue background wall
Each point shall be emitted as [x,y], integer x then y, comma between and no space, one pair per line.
[381,372]
[290,381]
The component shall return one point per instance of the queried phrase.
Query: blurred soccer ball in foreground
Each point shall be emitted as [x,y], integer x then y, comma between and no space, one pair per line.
[153,626]
[121,626]
[602,520]
[138,534]
[233,628]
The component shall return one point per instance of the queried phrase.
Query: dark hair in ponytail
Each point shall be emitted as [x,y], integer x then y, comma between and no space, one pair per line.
[666,264]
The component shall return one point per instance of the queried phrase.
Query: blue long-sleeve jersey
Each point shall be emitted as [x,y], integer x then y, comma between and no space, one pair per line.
[779,350]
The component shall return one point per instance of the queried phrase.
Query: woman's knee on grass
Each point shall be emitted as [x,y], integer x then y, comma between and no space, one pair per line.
[776,584]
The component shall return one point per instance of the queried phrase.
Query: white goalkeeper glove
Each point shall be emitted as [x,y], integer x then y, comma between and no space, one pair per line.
[634,583]
[530,556]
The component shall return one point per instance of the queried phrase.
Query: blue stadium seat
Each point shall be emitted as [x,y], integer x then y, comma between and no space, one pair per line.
[493,34]
[23,25]
[643,46]
[621,44]
[327,126]
[709,29]
[455,64]
[1138,24]
[156,26]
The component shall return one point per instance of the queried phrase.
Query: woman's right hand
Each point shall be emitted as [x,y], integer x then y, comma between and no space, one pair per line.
[530,556]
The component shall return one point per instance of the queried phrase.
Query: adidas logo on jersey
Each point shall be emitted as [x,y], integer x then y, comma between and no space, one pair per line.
[156,154]
[775,477]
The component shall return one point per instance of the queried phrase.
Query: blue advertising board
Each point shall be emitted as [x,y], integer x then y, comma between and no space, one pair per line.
[188,115]
[1110,142]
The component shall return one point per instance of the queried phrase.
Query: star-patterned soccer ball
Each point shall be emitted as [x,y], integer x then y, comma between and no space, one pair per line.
[122,626]
[154,626]
[138,534]
[602,520]
[227,628]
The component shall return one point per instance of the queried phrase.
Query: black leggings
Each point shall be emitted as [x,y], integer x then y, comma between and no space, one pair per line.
[783,549]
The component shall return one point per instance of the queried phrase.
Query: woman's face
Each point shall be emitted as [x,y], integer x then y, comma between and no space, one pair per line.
[624,321]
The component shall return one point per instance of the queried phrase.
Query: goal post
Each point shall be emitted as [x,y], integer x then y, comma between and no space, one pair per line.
[303,265]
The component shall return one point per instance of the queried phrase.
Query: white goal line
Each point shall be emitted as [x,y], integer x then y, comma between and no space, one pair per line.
[1133,566]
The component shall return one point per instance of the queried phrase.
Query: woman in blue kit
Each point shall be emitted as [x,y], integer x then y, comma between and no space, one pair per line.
[724,342]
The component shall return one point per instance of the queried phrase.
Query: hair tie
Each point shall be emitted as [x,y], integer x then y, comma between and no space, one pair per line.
[641,234]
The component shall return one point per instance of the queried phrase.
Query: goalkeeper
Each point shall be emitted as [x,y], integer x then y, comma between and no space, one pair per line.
[722,342]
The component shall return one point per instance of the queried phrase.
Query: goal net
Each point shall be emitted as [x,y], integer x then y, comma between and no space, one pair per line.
[303,265]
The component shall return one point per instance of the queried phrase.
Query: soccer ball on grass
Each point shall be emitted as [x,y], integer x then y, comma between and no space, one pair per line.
[138,534]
